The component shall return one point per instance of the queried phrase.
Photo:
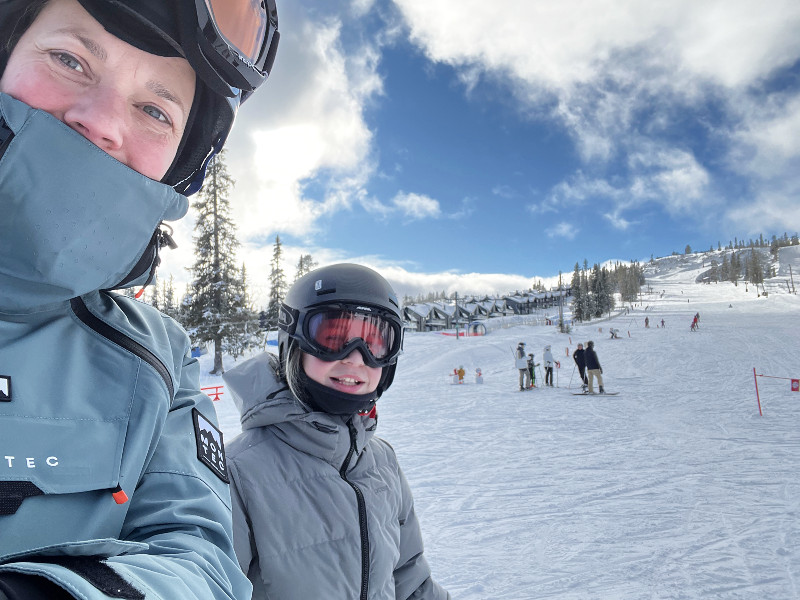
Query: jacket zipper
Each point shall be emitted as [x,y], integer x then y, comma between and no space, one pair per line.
[6,135]
[120,339]
[362,513]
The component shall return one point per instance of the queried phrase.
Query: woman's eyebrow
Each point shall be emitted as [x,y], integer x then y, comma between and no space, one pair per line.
[93,47]
[162,91]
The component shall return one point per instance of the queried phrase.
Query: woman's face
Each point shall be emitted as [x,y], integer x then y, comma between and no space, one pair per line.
[349,375]
[131,104]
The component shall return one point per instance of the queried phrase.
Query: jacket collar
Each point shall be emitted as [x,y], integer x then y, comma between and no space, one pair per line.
[74,219]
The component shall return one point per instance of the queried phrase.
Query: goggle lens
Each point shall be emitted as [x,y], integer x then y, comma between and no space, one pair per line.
[243,23]
[334,330]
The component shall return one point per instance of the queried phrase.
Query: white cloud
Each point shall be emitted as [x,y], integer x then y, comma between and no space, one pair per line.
[417,206]
[564,230]
[617,73]
[306,125]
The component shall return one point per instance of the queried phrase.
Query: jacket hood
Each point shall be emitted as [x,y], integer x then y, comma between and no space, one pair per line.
[75,219]
[263,400]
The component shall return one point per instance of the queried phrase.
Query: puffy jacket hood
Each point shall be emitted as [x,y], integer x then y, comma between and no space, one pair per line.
[75,219]
[265,401]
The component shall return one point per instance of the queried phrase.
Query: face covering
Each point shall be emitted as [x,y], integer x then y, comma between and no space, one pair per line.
[74,219]
[334,402]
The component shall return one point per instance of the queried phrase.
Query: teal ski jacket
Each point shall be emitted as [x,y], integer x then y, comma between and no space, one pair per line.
[113,482]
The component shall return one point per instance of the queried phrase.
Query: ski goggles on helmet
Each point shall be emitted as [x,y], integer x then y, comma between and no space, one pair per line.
[239,39]
[231,44]
[332,332]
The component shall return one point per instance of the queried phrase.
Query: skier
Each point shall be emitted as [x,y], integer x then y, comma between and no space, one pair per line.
[593,367]
[647,322]
[321,506]
[521,362]
[614,333]
[532,370]
[548,366]
[108,114]
[580,362]
[694,324]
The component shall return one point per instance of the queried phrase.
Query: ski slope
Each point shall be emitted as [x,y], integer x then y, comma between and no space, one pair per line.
[676,488]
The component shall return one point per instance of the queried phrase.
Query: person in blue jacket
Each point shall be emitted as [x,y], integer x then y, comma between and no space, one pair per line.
[113,481]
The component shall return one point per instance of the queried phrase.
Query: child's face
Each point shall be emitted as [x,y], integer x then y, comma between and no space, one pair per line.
[349,375]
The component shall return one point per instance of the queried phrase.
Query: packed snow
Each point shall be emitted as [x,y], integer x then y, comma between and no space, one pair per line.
[675,488]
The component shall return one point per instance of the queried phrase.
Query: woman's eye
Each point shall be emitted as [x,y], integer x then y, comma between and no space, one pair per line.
[156,113]
[69,61]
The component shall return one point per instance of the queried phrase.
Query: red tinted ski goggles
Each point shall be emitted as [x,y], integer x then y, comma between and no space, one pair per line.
[332,332]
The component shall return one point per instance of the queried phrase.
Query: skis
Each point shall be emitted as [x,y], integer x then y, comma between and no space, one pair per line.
[596,394]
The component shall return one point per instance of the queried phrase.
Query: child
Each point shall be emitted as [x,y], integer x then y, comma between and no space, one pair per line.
[321,507]
[532,371]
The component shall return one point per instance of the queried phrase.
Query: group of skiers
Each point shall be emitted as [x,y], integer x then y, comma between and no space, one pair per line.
[526,366]
[589,367]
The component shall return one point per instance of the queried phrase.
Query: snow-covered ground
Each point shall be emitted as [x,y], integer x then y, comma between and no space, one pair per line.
[676,488]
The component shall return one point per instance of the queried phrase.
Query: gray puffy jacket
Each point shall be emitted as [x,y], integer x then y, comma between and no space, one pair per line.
[321,507]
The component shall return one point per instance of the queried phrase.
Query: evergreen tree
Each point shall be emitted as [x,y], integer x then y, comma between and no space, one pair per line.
[277,283]
[215,307]
[305,264]
[168,304]
[577,302]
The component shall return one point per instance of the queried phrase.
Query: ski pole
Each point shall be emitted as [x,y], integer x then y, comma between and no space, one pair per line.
[569,386]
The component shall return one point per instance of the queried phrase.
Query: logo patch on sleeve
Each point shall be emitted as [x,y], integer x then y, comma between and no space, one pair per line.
[5,388]
[210,449]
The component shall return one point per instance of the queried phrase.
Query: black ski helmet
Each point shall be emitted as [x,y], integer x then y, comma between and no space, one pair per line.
[205,33]
[344,284]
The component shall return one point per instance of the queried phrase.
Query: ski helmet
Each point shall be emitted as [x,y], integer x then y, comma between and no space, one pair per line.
[230,44]
[336,291]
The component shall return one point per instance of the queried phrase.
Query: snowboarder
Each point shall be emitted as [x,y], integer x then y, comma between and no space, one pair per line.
[109,112]
[593,367]
[548,366]
[309,417]
[521,362]
[580,362]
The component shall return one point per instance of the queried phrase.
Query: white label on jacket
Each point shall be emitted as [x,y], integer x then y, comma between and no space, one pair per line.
[210,449]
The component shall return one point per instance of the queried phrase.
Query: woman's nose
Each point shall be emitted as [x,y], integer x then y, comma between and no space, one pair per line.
[99,115]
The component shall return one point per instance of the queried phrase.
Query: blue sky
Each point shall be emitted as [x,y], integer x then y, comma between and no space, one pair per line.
[477,147]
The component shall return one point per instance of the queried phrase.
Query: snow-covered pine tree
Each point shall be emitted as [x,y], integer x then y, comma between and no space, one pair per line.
[587,301]
[215,309]
[277,286]
[305,264]
[577,299]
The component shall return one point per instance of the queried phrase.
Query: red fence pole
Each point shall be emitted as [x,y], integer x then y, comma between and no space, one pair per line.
[755,378]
